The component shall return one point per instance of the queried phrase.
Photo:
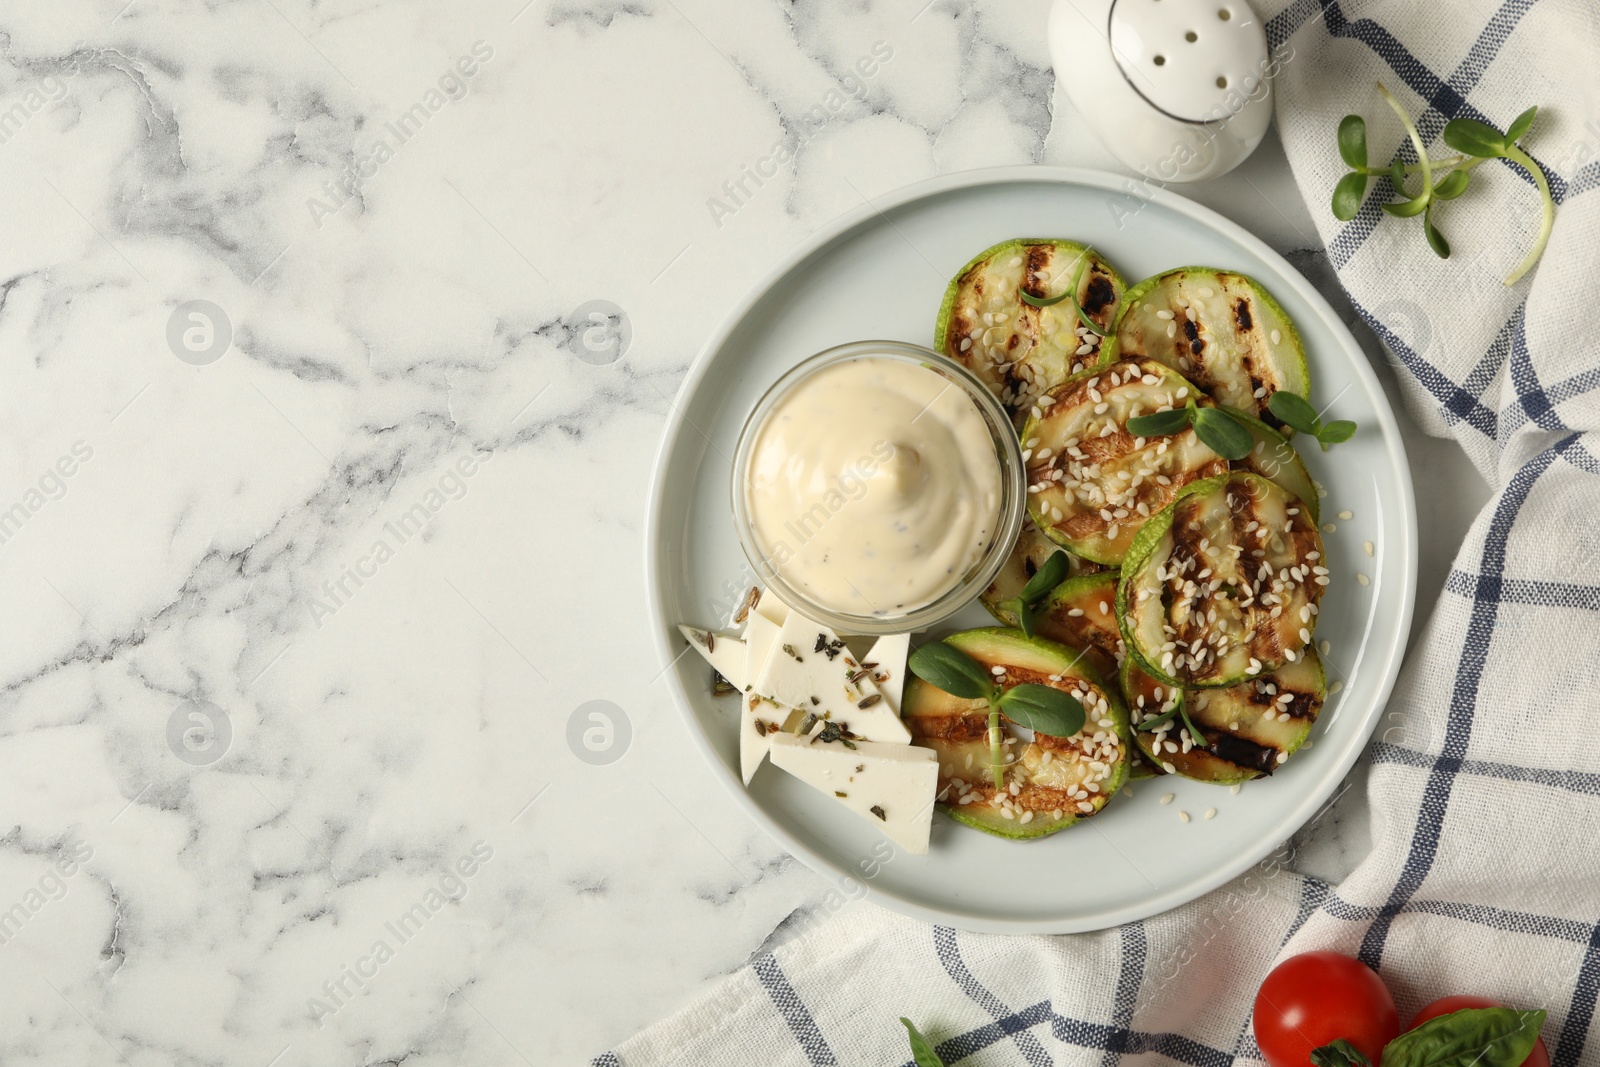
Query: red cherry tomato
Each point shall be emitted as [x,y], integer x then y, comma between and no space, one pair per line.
[1539,1057]
[1315,998]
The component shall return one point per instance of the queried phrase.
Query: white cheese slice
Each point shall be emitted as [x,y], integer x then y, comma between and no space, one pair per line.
[753,741]
[888,657]
[760,638]
[798,676]
[891,786]
[724,652]
[770,607]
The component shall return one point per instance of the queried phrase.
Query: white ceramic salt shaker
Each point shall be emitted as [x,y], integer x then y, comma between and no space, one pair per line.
[1180,90]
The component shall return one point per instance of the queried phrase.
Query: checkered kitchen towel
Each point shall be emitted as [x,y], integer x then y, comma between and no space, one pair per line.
[1485,791]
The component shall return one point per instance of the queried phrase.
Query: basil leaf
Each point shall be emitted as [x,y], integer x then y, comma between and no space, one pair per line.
[1041,708]
[946,667]
[1353,140]
[1347,196]
[1436,240]
[1340,1053]
[1408,208]
[1041,301]
[1221,434]
[1473,1037]
[1519,125]
[922,1052]
[1025,617]
[1159,423]
[1474,138]
[1294,410]
[1452,185]
[1047,577]
[1335,432]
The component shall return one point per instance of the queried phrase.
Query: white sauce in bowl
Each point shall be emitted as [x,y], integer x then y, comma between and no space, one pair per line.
[873,486]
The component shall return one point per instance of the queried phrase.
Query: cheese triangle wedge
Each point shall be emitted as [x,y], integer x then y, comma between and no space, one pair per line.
[888,659]
[809,668]
[724,652]
[891,786]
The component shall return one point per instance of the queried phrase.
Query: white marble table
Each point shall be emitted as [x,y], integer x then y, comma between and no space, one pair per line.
[306,583]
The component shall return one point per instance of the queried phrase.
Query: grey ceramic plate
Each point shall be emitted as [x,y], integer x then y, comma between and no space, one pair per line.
[880,273]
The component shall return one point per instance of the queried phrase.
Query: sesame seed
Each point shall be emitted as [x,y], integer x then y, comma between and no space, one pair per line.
[1362,579]
[1328,527]
[1277,336]
[1183,816]
[1347,515]
[1172,328]
[997,671]
[1027,816]
[1234,789]
[1335,687]
[1164,314]
[1325,647]
[1367,545]
[1211,813]
[1168,798]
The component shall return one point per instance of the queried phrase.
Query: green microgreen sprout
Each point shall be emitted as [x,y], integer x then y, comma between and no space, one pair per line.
[1071,293]
[1476,142]
[1042,708]
[1298,414]
[1220,433]
[922,1050]
[1046,578]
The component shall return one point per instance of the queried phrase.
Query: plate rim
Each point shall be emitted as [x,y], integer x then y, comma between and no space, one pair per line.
[848,222]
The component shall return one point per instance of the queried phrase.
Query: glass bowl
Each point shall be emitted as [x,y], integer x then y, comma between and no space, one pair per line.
[1007,526]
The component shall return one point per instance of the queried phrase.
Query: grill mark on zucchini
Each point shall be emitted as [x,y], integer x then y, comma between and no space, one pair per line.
[1034,268]
[1243,753]
[1241,315]
[1192,332]
[1099,295]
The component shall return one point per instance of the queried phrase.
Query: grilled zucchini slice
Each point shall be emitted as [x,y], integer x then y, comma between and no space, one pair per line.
[1033,549]
[1019,350]
[1080,613]
[1059,780]
[1091,483]
[1248,730]
[1223,585]
[1221,330]
[1276,460]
